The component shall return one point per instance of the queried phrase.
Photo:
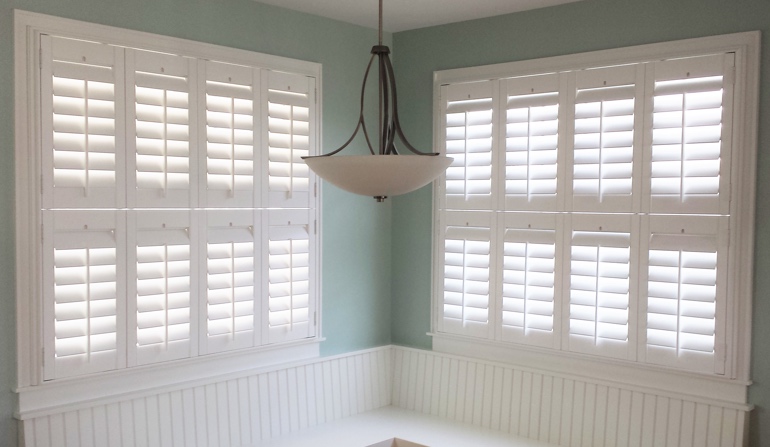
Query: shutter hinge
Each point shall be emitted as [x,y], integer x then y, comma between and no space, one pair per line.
[315,226]
[315,189]
[315,318]
[40,58]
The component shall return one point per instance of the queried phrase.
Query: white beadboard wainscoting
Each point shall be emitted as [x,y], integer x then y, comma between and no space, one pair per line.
[249,408]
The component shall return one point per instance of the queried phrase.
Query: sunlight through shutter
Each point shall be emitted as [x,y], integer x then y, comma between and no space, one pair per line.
[603,152]
[231,278]
[82,138]
[532,137]
[231,93]
[159,99]
[690,151]
[290,100]
[86,282]
[468,140]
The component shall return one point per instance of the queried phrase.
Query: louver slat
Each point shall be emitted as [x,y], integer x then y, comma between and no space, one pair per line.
[532,138]
[684,293]
[231,278]
[86,280]
[600,284]
[82,138]
[160,93]
[529,279]
[289,277]
[231,94]
[690,150]
[290,136]
[468,140]
[603,154]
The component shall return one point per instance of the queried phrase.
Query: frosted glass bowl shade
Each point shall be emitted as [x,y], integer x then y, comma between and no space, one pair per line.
[379,175]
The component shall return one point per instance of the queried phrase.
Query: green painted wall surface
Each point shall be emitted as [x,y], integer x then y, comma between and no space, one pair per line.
[577,27]
[356,240]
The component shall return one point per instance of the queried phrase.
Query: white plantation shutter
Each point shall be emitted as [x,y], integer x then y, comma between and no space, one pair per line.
[290,136]
[468,112]
[690,143]
[529,279]
[467,275]
[161,296]
[161,105]
[684,286]
[84,281]
[232,92]
[604,132]
[290,310]
[230,281]
[601,281]
[532,139]
[82,122]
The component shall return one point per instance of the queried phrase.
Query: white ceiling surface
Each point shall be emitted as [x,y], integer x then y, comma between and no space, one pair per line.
[402,15]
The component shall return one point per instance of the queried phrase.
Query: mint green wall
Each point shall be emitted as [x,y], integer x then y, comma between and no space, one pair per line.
[577,27]
[356,240]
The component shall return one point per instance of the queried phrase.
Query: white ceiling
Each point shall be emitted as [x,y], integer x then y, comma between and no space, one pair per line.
[401,15]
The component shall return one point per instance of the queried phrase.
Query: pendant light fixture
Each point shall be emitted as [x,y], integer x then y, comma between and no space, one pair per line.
[384,172]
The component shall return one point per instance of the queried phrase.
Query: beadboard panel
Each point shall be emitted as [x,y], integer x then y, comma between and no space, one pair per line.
[557,409]
[237,411]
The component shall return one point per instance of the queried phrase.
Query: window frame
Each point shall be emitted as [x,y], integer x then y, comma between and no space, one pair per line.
[742,196]
[35,393]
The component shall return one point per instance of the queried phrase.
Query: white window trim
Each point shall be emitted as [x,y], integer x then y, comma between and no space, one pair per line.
[733,386]
[35,395]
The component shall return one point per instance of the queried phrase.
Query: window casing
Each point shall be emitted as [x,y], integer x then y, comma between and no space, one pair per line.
[593,208]
[176,217]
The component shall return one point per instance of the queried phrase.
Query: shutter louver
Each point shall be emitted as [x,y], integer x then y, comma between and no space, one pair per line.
[469,130]
[231,93]
[88,293]
[290,100]
[689,152]
[162,313]
[683,292]
[529,280]
[532,137]
[230,282]
[467,270]
[289,304]
[600,287]
[603,153]
[82,146]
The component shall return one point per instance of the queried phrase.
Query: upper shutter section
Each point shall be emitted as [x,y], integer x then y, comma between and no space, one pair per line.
[468,109]
[290,136]
[531,144]
[84,274]
[160,98]
[690,147]
[604,126]
[685,287]
[232,95]
[82,85]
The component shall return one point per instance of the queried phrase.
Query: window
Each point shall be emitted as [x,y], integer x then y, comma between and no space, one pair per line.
[177,219]
[594,208]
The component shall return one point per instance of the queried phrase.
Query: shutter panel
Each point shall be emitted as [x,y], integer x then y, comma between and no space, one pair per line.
[532,138]
[603,154]
[290,136]
[600,285]
[685,288]
[468,109]
[160,98]
[84,277]
[467,275]
[160,314]
[690,147]
[230,280]
[529,279]
[290,308]
[232,95]
[82,133]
